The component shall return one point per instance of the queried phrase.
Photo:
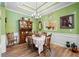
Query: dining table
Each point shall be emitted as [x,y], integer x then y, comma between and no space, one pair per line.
[39,42]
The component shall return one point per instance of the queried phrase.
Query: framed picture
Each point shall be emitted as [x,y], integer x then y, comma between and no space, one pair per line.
[40,26]
[67,22]
[50,25]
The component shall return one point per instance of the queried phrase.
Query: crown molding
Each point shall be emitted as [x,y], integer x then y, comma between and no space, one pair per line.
[28,7]
[42,5]
[49,6]
[43,13]
[17,12]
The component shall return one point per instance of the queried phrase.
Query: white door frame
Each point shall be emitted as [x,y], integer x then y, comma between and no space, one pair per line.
[0,38]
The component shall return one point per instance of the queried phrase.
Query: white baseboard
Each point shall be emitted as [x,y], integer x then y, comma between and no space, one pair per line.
[62,45]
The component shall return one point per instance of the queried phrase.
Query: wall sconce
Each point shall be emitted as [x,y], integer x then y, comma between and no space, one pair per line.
[5,19]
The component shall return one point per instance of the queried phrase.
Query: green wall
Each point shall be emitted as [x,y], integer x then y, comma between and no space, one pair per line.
[55,16]
[0,25]
[0,31]
[2,20]
[34,25]
[2,17]
[12,21]
[78,21]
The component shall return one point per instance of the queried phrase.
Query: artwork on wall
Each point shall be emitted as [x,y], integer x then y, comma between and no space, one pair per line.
[51,25]
[5,19]
[40,25]
[67,22]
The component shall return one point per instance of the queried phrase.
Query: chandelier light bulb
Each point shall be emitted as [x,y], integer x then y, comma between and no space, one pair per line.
[36,14]
[40,16]
[32,15]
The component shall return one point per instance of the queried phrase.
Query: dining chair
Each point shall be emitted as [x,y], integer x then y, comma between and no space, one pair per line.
[10,39]
[44,33]
[47,42]
[47,47]
[30,42]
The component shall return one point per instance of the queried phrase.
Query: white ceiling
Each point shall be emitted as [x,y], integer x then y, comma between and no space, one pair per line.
[43,8]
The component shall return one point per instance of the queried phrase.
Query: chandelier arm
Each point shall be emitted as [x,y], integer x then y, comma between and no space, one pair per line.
[36,15]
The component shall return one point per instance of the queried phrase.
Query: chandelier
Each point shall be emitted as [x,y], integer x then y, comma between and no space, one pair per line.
[36,14]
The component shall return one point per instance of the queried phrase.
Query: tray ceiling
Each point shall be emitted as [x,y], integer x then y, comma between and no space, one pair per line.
[43,8]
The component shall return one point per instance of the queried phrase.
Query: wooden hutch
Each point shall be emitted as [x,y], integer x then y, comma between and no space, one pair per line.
[25,28]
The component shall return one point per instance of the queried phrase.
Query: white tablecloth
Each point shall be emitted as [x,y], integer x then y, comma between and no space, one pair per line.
[39,42]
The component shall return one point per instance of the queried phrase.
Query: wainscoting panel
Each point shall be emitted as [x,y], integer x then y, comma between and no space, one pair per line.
[3,43]
[61,38]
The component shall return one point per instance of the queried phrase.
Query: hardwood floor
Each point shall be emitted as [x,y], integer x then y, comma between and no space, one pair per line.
[23,51]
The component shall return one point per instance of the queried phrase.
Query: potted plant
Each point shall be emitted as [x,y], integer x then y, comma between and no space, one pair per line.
[68,44]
